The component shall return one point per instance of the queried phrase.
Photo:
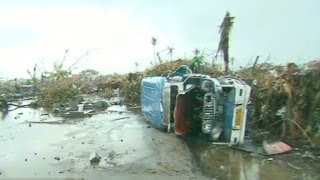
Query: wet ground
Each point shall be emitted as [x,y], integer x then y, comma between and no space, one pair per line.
[221,162]
[130,149]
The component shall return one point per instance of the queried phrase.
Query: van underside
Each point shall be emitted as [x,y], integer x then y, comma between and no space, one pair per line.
[188,110]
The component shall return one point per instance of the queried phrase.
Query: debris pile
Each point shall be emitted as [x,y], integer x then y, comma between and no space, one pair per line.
[285,99]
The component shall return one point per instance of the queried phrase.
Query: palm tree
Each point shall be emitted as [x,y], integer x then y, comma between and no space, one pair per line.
[159,57]
[154,43]
[170,49]
[224,31]
[196,52]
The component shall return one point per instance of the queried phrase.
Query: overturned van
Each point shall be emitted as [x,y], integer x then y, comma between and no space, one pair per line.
[187,102]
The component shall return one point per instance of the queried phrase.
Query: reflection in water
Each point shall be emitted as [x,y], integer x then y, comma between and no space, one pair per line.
[228,164]
[222,162]
[243,168]
[3,114]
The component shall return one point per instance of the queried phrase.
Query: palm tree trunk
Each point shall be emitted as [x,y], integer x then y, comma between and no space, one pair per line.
[226,55]
[154,55]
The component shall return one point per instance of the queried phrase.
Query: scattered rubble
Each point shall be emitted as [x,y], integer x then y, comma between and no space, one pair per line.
[117,119]
[117,101]
[87,105]
[94,157]
[77,107]
[46,122]
[270,159]
[309,155]
[74,114]
[100,104]
[73,102]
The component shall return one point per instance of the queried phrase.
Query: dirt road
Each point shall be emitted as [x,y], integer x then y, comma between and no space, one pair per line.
[129,147]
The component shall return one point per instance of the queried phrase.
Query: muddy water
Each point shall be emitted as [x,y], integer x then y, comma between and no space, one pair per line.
[221,162]
[129,147]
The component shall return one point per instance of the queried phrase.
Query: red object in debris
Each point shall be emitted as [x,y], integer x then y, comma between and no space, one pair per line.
[183,106]
[276,147]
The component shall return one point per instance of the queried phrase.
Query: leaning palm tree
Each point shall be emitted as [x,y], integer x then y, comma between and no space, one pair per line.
[223,47]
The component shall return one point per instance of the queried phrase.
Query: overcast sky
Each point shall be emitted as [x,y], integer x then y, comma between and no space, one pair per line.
[118,32]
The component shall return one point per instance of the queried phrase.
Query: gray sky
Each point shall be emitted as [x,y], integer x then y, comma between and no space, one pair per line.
[118,32]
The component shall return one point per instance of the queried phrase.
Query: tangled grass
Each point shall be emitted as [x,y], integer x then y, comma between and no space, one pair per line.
[57,92]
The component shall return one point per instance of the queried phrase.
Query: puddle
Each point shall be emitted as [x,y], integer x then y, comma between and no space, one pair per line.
[221,162]
[127,146]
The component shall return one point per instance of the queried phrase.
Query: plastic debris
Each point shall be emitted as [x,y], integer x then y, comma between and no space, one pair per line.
[276,147]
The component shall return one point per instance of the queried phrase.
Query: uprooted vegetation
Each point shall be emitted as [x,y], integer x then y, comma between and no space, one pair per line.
[57,92]
[285,100]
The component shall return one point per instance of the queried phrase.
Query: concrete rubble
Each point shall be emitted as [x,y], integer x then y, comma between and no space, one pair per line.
[74,114]
[100,104]
[74,102]
[94,157]
[78,107]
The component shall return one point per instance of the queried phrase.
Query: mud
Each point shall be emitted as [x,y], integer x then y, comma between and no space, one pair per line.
[129,149]
[222,162]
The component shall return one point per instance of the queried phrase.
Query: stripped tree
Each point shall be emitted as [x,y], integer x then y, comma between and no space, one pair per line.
[154,43]
[223,47]
[170,49]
